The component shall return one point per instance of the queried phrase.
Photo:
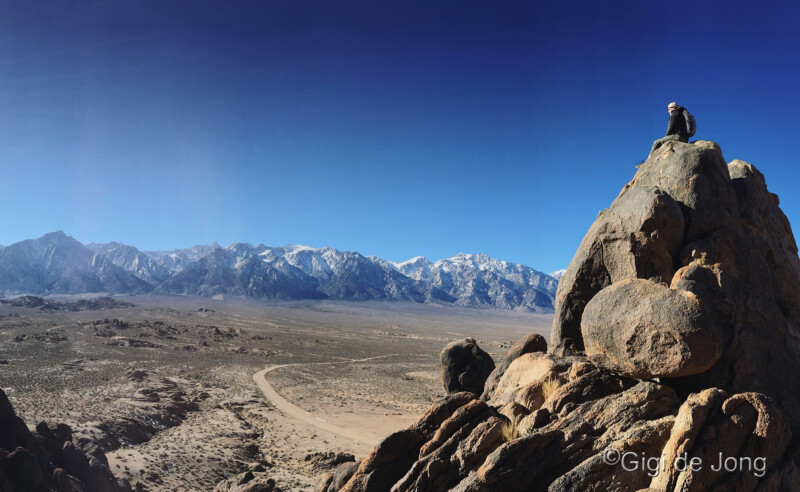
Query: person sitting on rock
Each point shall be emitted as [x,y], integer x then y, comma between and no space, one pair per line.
[677,129]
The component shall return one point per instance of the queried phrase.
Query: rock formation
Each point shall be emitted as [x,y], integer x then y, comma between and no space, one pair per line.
[49,459]
[730,316]
[465,366]
[673,352]
[530,343]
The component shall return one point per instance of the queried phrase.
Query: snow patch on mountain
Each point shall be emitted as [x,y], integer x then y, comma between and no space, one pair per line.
[263,272]
[418,268]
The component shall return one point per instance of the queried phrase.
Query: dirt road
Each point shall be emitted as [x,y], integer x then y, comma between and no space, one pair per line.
[362,436]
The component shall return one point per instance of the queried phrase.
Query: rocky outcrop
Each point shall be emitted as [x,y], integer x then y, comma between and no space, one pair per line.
[529,343]
[676,326]
[393,456]
[525,375]
[50,306]
[562,451]
[739,435]
[730,255]
[596,431]
[49,459]
[465,366]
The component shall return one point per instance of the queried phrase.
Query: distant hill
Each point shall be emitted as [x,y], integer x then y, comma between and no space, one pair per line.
[58,264]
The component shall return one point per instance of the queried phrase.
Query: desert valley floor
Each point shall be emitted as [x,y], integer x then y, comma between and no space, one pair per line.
[184,392]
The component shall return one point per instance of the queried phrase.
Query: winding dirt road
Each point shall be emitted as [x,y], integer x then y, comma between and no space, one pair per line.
[361,436]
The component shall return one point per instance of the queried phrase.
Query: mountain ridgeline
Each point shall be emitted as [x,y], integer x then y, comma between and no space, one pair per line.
[58,264]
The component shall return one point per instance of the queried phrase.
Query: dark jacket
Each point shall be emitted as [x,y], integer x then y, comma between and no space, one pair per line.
[678,125]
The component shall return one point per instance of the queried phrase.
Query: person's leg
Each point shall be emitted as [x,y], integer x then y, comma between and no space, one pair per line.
[656,144]
[660,141]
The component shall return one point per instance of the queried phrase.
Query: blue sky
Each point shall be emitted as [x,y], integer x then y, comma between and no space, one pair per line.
[394,129]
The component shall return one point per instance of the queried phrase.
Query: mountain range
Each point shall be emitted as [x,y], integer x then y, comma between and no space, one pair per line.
[58,264]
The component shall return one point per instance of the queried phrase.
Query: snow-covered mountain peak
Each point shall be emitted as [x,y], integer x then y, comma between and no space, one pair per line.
[479,261]
[244,250]
[64,265]
[296,248]
[319,263]
[418,268]
[413,261]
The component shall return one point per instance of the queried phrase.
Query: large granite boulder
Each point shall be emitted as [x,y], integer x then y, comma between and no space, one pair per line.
[465,366]
[646,330]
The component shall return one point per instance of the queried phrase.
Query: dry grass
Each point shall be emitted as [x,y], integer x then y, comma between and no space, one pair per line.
[510,431]
[549,386]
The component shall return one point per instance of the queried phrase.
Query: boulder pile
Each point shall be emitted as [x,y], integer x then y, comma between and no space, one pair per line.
[671,364]
[50,459]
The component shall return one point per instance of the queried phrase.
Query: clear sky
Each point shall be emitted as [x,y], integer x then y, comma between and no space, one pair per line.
[391,128]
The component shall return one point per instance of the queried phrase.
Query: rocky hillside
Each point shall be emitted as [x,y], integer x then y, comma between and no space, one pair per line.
[50,459]
[57,263]
[671,364]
